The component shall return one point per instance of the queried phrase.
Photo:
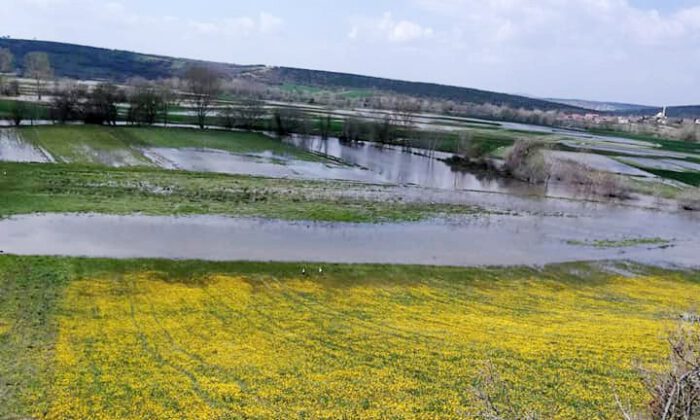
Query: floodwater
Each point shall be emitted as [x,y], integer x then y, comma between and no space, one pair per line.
[469,241]
[598,163]
[265,164]
[12,149]
[410,166]
[624,149]
[664,164]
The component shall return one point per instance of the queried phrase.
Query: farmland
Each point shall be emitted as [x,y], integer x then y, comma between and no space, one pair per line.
[112,339]
[60,188]
[219,241]
[70,143]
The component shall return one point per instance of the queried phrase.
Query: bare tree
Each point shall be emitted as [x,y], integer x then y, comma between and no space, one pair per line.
[6,63]
[526,161]
[352,129]
[406,110]
[10,89]
[289,120]
[18,112]
[145,103]
[37,66]
[6,60]
[66,103]
[249,114]
[228,117]
[325,123]
[204,84]
[675,393]
[168,98]
[101,104]
[494,398]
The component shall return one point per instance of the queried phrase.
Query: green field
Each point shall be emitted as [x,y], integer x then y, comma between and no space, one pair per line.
[30,188]
[666,144]
[154,339]
[91,144]
[38,112]
[689,178]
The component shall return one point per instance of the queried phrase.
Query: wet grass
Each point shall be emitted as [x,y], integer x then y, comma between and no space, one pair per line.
[41,188]
[38,111]
[621,243]
[97,144]
[162,339]
[689,178]
[666,144]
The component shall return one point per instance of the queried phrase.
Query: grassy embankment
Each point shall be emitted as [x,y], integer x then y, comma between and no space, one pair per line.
[31,188]
[134,339]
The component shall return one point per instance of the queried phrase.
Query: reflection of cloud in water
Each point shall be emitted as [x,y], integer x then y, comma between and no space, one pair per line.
[404,165]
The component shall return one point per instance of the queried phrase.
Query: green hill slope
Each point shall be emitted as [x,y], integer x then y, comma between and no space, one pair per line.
[82,62]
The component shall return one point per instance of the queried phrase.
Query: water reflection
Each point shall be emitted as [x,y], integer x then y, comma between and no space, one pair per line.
[406,165]
[482,240]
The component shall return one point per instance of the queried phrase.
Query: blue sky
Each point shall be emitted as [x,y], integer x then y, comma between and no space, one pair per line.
[642,51]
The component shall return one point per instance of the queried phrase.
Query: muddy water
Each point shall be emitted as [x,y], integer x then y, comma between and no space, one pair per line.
[498,240]
[409,166]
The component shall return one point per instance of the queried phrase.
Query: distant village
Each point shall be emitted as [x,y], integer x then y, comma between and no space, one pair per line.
[661,118]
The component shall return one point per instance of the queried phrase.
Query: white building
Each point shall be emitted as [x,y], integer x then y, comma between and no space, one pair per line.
[661,115]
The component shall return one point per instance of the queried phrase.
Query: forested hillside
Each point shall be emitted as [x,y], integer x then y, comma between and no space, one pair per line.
[82,62]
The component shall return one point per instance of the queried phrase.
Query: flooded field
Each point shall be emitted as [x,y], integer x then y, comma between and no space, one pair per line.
[664,164]
[315,158]
[12,149]
[598,163]
[494,240]
[264,164]
[410,166]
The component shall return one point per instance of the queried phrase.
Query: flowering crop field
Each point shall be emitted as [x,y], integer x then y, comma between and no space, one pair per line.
[147,339]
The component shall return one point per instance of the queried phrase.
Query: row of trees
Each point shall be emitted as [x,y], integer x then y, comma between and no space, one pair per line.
[37,66]
[150,102]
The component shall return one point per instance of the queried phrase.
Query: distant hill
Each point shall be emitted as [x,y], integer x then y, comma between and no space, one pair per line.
[90,63]
[602,106]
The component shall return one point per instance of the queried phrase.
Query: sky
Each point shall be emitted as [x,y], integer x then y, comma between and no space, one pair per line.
[635,51]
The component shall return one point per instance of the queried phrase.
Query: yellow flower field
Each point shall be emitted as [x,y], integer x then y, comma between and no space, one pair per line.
[143,345]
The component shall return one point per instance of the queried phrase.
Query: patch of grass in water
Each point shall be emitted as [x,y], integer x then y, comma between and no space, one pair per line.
[666,144]
[689,178]
[621,243]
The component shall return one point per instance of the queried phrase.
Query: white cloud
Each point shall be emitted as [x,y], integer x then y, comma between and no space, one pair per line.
[263,24]
[573,22]
[597,49]
[95,15]
[388,29]
[268,23]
